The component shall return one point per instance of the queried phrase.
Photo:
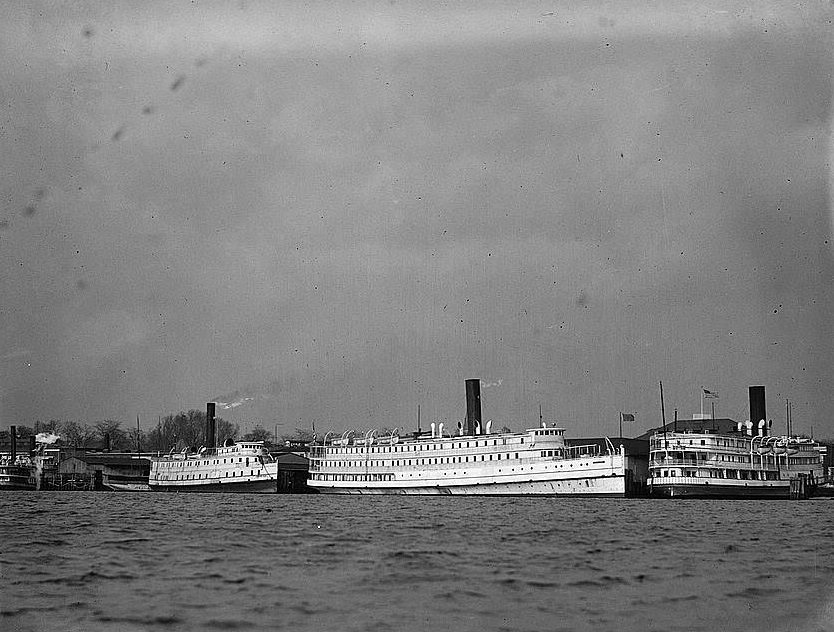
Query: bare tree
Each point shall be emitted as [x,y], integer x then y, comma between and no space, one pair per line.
[118,437]
[301,435]
[188,430]
[77,434]
[259,433]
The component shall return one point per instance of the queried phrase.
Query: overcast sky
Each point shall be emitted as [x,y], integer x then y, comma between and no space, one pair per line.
[334,212]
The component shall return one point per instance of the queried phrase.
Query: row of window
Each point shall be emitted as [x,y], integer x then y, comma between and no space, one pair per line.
[433,461]
[352,477]
[745,475]
[197,477]
[316,476]
[193,462]
[423,447]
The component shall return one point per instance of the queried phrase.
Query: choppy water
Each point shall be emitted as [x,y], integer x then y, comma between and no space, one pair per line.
[145,561]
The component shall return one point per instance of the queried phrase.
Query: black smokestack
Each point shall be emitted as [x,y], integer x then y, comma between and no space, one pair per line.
[757,408]
[13,432]
[107,442]
[473,405]
[210,427]
[33,448]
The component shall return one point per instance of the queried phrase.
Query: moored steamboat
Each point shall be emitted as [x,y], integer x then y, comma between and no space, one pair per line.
[243,466]
[476,461]
[725,459]
[20,471]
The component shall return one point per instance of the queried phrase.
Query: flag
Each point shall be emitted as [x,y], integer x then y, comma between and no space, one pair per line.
[710,394]
[626,417]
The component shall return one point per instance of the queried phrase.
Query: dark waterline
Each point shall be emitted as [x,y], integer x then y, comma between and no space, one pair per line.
[145,561]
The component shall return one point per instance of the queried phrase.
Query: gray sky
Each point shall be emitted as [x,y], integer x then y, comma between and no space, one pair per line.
[334,212]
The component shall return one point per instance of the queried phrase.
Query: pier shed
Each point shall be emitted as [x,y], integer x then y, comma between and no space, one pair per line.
[117,472]
[293,471]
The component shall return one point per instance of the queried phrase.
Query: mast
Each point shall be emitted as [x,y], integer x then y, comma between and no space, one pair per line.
[663,417]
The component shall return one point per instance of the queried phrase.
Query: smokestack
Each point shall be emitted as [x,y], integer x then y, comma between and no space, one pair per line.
[473,406]
[758,411]
[13,433]
[33,449]
[210,426]
[107,442]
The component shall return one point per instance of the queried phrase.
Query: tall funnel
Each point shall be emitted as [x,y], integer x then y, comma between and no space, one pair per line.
[473,405]
[13,433]
[758,411]
[210,426]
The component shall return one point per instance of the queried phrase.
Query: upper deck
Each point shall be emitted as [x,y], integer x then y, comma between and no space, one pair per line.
[737,451]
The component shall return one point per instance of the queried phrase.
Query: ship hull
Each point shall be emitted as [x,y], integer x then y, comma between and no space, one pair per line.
[778,489]
[248,487]
[611,486]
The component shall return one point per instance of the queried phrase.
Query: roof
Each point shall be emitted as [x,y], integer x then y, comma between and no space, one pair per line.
[290,460]
[723,426]
[110,459]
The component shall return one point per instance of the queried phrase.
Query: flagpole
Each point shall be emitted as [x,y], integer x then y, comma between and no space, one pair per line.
[621,424]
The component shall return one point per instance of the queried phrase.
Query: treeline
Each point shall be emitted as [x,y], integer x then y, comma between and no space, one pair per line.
[176,431]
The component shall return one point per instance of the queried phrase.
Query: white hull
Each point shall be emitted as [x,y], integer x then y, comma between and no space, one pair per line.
[611,486]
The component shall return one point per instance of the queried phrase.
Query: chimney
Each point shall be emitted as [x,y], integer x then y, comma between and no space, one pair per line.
[13,433]
[758,411]
[33,448]
[210,426]
[473,406]
[107,442]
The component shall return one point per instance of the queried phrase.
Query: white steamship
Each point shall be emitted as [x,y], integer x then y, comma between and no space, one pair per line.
[475,461]
[243,466]
[720,458]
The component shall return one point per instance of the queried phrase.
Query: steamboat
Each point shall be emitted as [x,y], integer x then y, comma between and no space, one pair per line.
[475,461]
[20,471]
[726,459]
[242,466]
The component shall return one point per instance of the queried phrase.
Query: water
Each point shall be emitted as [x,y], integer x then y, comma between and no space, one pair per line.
[145,561]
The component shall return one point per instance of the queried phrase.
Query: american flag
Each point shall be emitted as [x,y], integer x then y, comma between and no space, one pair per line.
[710,394]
